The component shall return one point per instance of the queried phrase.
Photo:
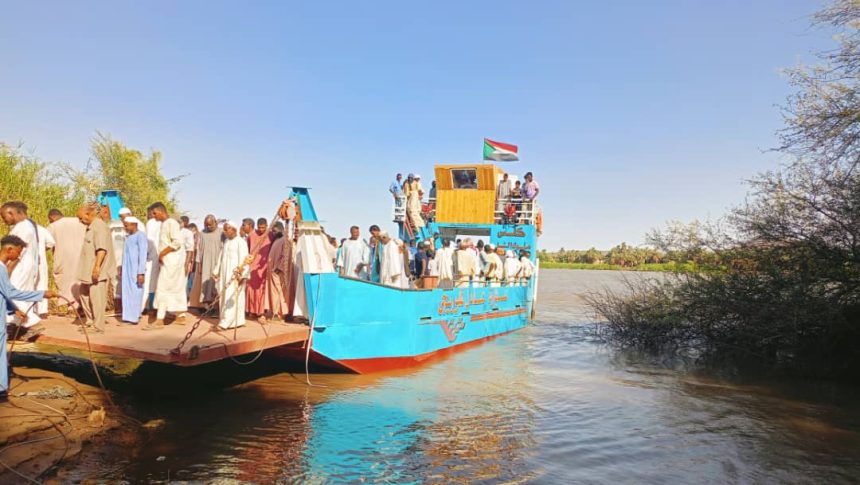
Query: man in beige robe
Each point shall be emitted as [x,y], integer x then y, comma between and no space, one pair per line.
[68,234]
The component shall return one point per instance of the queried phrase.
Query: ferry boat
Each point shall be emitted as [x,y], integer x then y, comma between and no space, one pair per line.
[354,325]
[361,326]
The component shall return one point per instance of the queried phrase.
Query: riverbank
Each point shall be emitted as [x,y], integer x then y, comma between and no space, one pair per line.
[671,267]
[48,420]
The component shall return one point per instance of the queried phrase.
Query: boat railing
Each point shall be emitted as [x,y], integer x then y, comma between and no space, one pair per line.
[524,211]
[428,209]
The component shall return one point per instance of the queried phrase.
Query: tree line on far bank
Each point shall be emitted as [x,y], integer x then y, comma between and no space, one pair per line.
[48,185]
[787,295]
[678,248]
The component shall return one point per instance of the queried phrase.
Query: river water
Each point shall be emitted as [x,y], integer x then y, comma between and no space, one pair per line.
[548,404]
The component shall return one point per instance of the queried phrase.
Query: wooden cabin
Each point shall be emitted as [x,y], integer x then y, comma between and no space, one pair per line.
[466,194]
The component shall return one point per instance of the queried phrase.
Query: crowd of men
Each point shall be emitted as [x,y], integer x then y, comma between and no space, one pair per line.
[391,262]
[159,269]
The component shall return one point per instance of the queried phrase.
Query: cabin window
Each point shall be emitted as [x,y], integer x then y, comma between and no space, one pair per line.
[465,178]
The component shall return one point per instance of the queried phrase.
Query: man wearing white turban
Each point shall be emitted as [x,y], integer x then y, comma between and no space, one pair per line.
[133,270]
[231,273]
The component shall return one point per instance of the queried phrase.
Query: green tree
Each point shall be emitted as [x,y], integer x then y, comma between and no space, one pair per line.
[23,177]
[137,177]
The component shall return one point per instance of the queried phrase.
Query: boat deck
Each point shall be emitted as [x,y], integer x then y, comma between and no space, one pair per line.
[205,345]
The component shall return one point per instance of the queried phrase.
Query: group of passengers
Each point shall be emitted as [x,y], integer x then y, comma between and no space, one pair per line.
[387,260]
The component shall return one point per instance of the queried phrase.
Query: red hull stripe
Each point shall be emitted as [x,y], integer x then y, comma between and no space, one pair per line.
[380,364]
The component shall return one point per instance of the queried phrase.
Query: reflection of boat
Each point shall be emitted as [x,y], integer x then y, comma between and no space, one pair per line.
[361,326]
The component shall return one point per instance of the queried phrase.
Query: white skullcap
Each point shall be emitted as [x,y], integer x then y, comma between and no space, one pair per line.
[132,220]
[417,176]
[124,211]
[230,223]
[383,234]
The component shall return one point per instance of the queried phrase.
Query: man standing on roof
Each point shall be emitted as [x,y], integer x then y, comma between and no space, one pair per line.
[413,192]
[530,191]
[396,189]
[503,194]
[96,267]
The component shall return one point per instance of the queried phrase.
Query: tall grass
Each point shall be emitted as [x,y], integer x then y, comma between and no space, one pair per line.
[23,177]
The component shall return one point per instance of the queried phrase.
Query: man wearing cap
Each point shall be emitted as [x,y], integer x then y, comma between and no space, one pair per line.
[132,273]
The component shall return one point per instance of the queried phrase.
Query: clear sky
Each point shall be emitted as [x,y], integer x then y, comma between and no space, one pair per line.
[629,113]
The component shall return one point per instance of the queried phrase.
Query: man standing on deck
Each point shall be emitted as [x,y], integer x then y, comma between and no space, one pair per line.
[527,268]
[465,267]
[24,273]
[11,248]
[276,274]
[259,245]
[46,243]
[204,289]
[132,273]
[247,228]
[375,253]
[231,272]
[68,233]
[96,266]
[188,245]
[354,256]
[393,271]
[170,291]
[153,231]
[445,264]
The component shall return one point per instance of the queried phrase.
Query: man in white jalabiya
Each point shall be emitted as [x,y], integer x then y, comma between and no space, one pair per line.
[170,290]
[153,229]
[46,242]
[393,270]
[527,268]
[231,286]
[445,264]
[24,274]
[354,256]
[512,268]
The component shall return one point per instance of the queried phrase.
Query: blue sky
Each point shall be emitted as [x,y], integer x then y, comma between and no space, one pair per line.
[629,113]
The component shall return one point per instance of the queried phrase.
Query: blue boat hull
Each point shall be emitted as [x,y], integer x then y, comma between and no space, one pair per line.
[364,327]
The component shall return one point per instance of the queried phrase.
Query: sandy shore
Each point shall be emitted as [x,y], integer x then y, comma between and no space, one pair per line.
[49,419]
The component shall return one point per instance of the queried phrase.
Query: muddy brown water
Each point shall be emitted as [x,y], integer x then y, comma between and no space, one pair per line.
[549,404]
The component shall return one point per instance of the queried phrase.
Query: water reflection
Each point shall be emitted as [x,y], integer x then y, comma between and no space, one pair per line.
[548,404]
